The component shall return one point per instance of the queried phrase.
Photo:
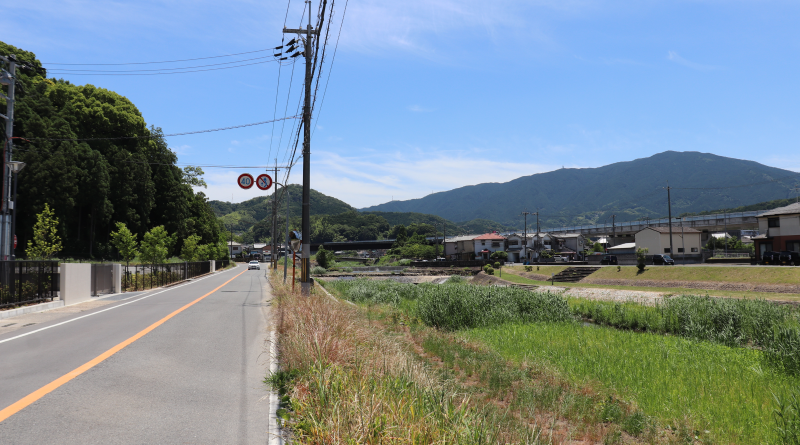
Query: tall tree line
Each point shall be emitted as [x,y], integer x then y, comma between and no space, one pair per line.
[93,184]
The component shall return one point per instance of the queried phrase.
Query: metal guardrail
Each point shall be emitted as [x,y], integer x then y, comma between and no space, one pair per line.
[25,282]
[142,277]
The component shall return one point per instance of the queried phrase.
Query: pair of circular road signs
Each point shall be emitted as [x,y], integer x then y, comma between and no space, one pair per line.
[263,181]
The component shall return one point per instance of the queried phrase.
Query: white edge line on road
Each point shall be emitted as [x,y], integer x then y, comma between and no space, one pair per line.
[108,309]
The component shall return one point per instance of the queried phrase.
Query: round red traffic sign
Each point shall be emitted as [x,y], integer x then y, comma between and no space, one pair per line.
[245,180]
[15,241]
[264,181]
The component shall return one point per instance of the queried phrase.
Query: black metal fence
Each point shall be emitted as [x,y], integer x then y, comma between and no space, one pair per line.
[102,280]
[221,264]
[142,277]
[25,282]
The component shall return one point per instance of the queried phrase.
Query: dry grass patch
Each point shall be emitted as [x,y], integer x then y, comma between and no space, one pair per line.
[751,275]
[345,381]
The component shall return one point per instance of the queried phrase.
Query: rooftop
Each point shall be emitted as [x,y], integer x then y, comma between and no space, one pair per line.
[623,246]
[490,236]
[788,210]
[456,239]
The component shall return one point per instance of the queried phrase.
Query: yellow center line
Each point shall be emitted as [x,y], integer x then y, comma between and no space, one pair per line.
[46,389]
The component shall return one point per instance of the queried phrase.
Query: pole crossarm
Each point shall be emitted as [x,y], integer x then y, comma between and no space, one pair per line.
[313,32]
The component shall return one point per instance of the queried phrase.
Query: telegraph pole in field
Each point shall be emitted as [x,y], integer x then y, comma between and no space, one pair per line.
[669,210]
[305,275]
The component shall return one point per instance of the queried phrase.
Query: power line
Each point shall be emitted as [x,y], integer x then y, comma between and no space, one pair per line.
[333,59]
[163,135]
[278,87]
[61,70]
[165,61]
[162,73]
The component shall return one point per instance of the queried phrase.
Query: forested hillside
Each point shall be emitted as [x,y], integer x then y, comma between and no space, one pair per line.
[118,169]
[629,190]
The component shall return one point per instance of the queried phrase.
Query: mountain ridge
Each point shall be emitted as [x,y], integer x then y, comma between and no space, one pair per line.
[628,189]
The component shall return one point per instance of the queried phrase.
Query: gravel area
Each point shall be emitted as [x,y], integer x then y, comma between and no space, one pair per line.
[641,297]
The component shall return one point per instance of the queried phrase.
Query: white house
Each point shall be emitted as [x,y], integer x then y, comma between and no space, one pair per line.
[656,240]
[487,244]
[234,248]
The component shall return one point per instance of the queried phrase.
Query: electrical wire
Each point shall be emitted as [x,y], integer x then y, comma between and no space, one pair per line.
[164,135]
[330,68]
[165,61]
[63,70]
[278,87]
[162,73]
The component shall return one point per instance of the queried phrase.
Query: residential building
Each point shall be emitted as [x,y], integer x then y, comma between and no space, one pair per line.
[656,240]
[234,248]
[487,244]
[460,247]
[516,245]
[259,250]
[574,242]
[538,242]
[780,230]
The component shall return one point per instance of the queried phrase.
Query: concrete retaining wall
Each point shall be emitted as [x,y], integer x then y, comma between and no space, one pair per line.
[76,282]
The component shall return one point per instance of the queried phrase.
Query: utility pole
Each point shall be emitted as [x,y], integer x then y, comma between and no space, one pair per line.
[7,78]
[286,252]
[273,258]
[725,222]
[613,228]
[305,272]
[669,209]
[525,236]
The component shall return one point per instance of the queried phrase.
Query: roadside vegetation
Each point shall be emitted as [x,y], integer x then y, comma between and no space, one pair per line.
[727,372]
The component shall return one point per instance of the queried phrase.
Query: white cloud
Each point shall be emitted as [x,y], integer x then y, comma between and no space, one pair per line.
[364,181]
[419,109]
[675,57]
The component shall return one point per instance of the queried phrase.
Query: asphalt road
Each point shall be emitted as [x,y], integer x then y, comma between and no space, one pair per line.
[196,378]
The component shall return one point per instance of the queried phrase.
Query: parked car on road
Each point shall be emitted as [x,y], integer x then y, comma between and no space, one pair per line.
[789,258]
[609,259]
[253,265]
[665,260]
[770,257]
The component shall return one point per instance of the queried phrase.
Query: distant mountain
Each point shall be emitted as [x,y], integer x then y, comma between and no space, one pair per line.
[630,190]
[241,216]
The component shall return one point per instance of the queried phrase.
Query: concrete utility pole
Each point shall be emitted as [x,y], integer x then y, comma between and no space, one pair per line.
[525,235]
[308,49]
[273,258]
[613,228]
[285,253]
[669,209]
[7,78]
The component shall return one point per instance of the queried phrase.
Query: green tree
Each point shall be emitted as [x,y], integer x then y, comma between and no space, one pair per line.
[500,255]
[125,242]
[155,245]
[46,241]
[324,257]
[641,257]
[190,248]
[597,247]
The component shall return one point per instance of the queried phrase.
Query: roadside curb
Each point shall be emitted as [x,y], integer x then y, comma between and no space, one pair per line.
[30,309]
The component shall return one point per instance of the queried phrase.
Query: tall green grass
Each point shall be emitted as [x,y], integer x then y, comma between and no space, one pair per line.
[731,322]
[720,389]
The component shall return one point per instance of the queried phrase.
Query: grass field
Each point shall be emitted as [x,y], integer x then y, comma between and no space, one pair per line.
[750,275]
[544,270]
[722,390]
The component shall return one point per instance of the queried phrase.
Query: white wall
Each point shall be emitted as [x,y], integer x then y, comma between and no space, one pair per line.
[76,282]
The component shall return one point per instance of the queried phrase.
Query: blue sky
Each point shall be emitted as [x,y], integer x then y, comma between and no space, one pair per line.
[430,95]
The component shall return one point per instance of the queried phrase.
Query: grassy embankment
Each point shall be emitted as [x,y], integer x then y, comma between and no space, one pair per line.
[692,387]
[750,275]
[345,380]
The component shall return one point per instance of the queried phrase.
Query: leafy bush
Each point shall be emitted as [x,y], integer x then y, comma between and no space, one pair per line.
[488,269]
[318,270]
[459,306]
[530,268]
[405,262]
[499,255]
[324,258]
[455,279]
[640,257]
[496,265]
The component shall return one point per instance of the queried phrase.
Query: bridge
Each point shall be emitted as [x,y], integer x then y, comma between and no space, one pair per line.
[716,222]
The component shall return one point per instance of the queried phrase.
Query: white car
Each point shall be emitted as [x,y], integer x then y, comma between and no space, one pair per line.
[253,265]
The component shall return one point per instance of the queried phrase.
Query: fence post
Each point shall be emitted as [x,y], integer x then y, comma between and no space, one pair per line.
[211,265]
